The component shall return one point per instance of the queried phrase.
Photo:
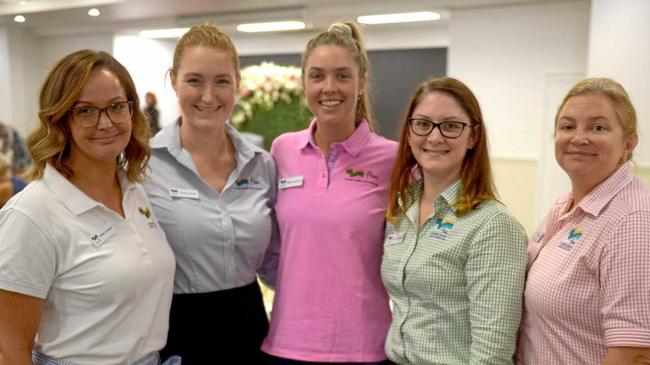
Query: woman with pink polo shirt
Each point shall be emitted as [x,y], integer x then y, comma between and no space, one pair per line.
[330,304]
[587,296]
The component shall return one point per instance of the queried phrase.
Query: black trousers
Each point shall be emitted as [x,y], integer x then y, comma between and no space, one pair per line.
[222,327]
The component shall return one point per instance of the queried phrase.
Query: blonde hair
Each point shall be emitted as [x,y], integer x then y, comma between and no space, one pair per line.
[616,93]
[475,173]
[50,141]
[204,35]
[348,36]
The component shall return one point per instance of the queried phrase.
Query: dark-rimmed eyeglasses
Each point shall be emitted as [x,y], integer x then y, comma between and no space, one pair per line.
[424,127]
[88,116]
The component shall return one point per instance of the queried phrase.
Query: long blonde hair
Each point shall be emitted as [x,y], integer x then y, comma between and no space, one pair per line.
[348,36]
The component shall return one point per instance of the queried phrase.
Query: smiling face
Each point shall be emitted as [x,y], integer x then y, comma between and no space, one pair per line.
[333,85]
[105,141]
[590,143]
[440,158]
[206,84]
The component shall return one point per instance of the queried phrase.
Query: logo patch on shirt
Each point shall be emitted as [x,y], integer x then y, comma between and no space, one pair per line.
[248,183]
[147,214]
[364,176]
[106,232]
[574,235]
[442,226]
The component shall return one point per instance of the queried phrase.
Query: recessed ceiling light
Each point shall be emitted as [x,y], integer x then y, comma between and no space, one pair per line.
[164,33]
[270,26]
[420,16]
[19,19]
[94,12]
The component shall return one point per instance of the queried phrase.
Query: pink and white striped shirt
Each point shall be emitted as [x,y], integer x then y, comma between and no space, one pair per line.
[588,283]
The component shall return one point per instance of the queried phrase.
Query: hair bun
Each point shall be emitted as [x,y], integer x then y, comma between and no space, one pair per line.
[340,28]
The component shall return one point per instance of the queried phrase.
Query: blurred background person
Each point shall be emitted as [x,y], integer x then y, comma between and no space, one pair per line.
[330,305]
[14,147]
[454,257]
[151,112]
[213,193]
[86,274]
[587,298]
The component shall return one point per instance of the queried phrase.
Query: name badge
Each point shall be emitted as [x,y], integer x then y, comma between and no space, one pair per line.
[290,182]
[104,234]
[394,238]
[538,236]
[183,193]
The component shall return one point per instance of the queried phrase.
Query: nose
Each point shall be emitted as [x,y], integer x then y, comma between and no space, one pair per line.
[579,137]
[435,135]
[208,93]
[104,121]
[329,84]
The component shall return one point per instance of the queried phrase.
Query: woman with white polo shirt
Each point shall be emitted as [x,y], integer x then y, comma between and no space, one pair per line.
[85,272]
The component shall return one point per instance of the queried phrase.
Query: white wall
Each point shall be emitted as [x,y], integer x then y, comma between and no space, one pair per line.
[148,62]
[619,47]
[505,55]
[6,110]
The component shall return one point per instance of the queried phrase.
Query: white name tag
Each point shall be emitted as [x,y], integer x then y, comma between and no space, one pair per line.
[394,238]
[183,193]
[103,235]
[290,182]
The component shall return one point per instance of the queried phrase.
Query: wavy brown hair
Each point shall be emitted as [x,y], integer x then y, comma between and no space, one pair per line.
[348,36]
[50,141]
[475,173]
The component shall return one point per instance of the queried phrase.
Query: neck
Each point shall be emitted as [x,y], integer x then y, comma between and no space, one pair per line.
[434,185]
[206,142]
[97,179]
[325,135]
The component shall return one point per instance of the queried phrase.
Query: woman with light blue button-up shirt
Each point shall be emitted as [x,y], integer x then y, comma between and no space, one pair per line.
[213,193]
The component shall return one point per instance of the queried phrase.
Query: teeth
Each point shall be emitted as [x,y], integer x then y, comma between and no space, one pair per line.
[207,109]
[330,102]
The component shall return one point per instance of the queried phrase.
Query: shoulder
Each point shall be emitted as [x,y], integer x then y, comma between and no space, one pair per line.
[289,140]
[635,197]
[492,215]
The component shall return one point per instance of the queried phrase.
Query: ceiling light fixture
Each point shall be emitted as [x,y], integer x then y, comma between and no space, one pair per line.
[164,33]
[94,12]
[270,26]
[420,16]
[19,19]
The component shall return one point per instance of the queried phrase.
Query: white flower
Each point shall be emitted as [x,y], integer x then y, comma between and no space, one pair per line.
[263,86]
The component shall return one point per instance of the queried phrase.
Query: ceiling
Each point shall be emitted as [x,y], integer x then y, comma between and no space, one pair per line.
[66,17]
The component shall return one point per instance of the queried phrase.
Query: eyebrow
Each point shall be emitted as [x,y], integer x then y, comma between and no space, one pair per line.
[346,68]
[197,74]
[421,116]
[112,100]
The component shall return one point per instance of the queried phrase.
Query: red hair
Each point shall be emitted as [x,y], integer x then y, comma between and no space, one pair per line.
[475,173]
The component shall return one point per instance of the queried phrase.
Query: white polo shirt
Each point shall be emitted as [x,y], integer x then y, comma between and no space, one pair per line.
[107,281]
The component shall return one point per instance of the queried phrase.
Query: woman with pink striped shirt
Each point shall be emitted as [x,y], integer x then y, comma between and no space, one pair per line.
[587,296]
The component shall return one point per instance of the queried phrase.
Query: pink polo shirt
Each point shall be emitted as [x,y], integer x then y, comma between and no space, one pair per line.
[588,283]
[330,304]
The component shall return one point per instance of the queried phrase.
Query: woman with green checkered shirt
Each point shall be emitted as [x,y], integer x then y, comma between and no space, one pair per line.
[454,257]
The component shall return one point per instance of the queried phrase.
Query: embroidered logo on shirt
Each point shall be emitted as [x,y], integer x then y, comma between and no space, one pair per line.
[574,235]
[365,176]
[442,227]
[247,183]
[147,214]
[144,211]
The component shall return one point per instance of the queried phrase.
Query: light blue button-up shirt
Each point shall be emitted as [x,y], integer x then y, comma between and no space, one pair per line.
[220,239]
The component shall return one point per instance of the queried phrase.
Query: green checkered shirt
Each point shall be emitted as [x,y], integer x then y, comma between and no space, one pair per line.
[456,285]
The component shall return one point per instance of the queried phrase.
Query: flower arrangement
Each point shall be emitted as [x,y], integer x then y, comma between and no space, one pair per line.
[264,85]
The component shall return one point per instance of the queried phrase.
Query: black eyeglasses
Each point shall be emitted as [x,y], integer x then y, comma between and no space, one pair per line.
[88,116]
[424,127]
